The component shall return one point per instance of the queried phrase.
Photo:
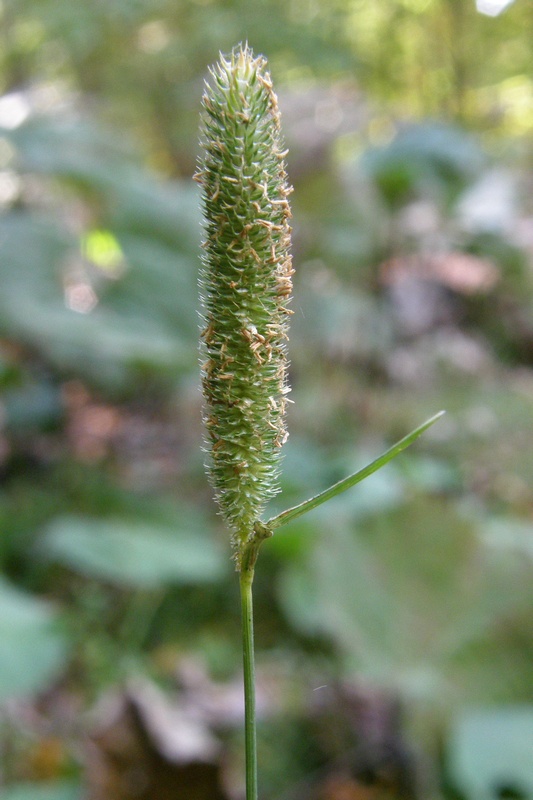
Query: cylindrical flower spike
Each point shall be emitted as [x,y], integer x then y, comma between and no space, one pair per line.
[246,287]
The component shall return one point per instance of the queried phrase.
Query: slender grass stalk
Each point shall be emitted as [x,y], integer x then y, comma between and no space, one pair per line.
[246,287]
[250,737]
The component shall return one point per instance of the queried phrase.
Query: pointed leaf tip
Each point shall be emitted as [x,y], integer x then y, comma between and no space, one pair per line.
[346,483]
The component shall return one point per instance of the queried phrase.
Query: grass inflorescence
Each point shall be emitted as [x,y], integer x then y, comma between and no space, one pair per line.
[246,287]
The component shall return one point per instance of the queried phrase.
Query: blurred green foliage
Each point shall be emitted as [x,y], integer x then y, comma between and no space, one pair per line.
[407,124]
[38,791]
[491,749]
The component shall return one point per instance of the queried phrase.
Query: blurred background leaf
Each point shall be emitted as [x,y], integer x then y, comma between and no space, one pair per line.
[131,553]
[38,791]
[490,752]
[33,648]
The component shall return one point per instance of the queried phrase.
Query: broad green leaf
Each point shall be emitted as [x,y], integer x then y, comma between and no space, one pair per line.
[509,535]
[429,159]
[491,750]
[61,790]
[110,344]
[410,597]
[160,281]
[94,159]
[32,405]
[32,648]
[135,554]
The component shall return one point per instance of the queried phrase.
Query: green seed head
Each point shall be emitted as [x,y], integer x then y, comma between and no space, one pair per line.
[246,287]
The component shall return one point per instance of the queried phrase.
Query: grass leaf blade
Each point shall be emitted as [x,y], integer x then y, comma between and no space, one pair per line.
[346,483]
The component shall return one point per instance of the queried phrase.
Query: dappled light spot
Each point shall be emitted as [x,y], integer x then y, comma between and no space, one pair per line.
[102,249]
[153,37]
[14,110]
[80,297]
[492,8]
[9,187]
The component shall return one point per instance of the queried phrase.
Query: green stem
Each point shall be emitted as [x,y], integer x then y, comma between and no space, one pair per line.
[246,582]
[248,557]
